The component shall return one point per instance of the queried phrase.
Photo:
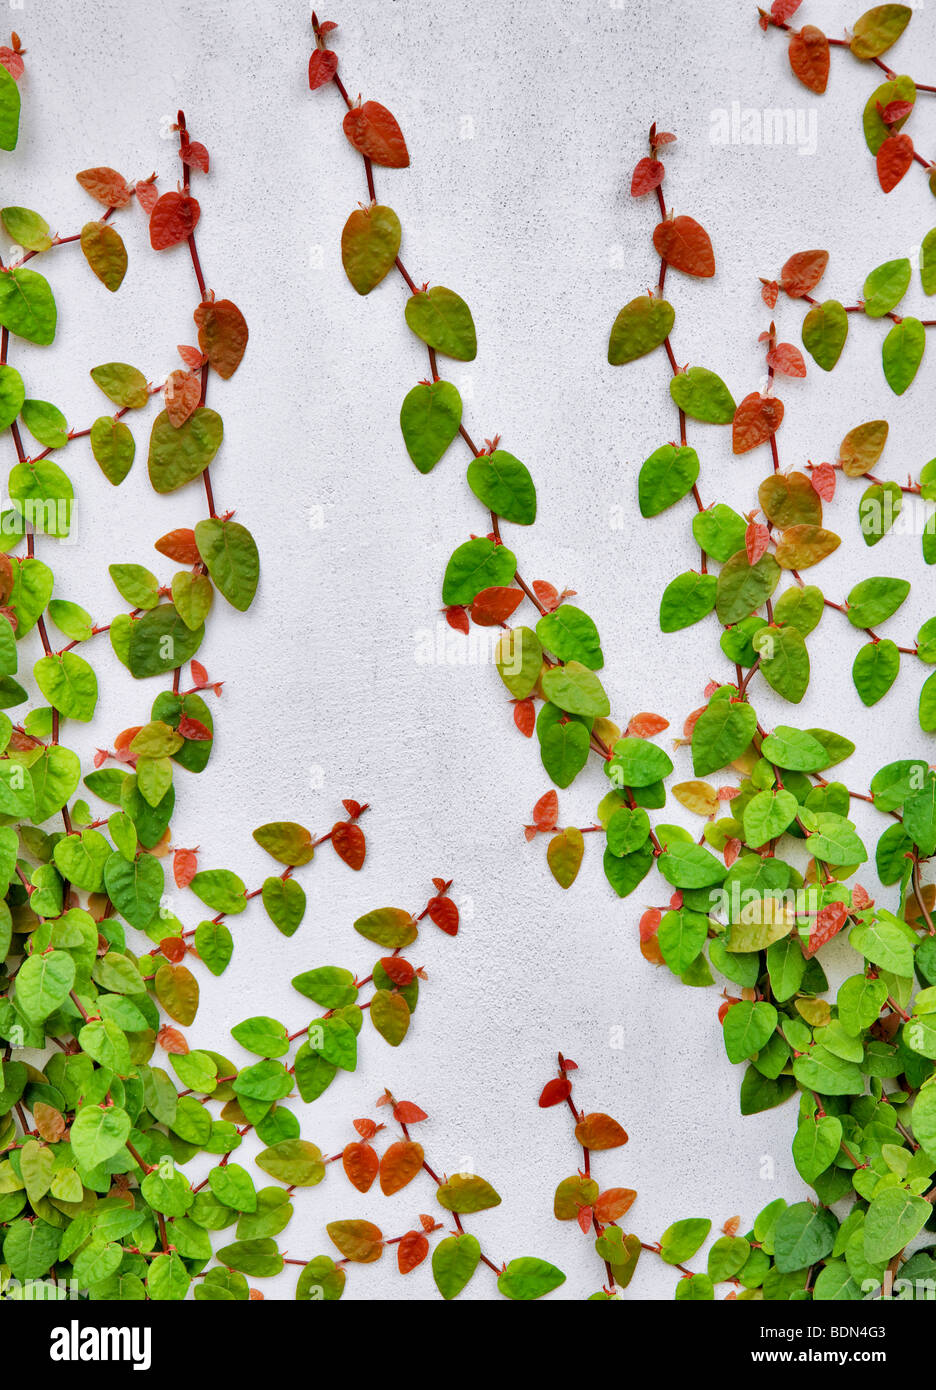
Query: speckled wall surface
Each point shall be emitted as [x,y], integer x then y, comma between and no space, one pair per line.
[523,122]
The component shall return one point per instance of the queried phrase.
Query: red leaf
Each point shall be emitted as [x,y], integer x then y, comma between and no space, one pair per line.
[893,160]
[769,291]
[199,674]
[374,133]
[649,922]
[222,334]
[12,62]
[173,948]
[193,357]
[730,1227]
[755,420]
[861,898]
[195,155]
[823,481]
[895,111]
[584,1219]
[428,1223]
[732,850]
[184,867]
[555,1091]
[360,1163]
[349,844]
[756,541]
[353,808]
[179,545]
[444,913]
[647,176]
[646,725]
[182,395]
[457,618]
[366,1128]
[547,594]
[173,219]
[723,1008]
[787,359]
[147,195]
[494,606]
[413,1249]
[782,10]
[802,272]
[405,1112]
[685,245]
[322,67]
[829,921]
[690,721]
[399,970]
[194,729]
[106,186]
[524,714]
[546,811]
[171,1040]
[809,58]
[676,900]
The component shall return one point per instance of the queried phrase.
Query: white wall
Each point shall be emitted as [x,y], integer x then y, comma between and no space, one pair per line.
[529,220]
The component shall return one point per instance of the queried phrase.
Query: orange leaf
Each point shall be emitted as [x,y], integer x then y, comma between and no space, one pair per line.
[222,334]
[823,480]
[802,272]
[809,58]
[649,922]
[829,921]
[787,359]
[171,1040]
[547,594]
[147,196]
[524,714]
[546,811]
[399,970]
[769,291]
[494,606]
[413,1249]
[179,545]
[49,1121]
[647,176]
[182,395]
[106,186]
[614,1203]
[555,1091]
[399,1165]
[184,866]
[756,541]
[600,1131]
[406,1112]
[374,133]
[646,725]
[893,160]
[349,844]
[366,1128]
[361,1164]
[755,420]
[685,245]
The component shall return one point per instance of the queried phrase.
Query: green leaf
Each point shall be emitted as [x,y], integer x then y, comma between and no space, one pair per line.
[879,28]
[321,1281]
[686,600]
[747,1028]
[390,1015]
[641,326]
[519,660]
[800,608]
[215,945]
[636,762]
[27,307]
[12,395]
[136,584]
[892,1221]
[69,684]
[160,641]
[884,943]
[873,600]
[467,1192]
[875,669]
[220,889]
[392,927]
[681,935]
[26,228]
[9,111]
[476,565]
[687,865]
[784,661]
[96,1135]
[902,353]
[820,1070]
[528,1278]
[719,531]
[179,454]
[135,889]
[571,635]
[454,1261]
[767,815]
[665,477]
[43,983]
[285,902]
[122,384]
[680,1241]
[329,986]
[576,690]
[815,1145]
[113,447]
[104,250]
[443,320]
[928,262]
[742,587]
[46,423]
[369,245]
[81,858]
[927,706]
[429,419]
[703,396]
[564,750]
[42,493]
[825,329]
[885,287]
[230,553]
[803,1235]
[503,484]
[293,1161]
[722,733]
[836,840]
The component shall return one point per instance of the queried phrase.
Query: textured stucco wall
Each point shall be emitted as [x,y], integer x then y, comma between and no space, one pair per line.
[523,123]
